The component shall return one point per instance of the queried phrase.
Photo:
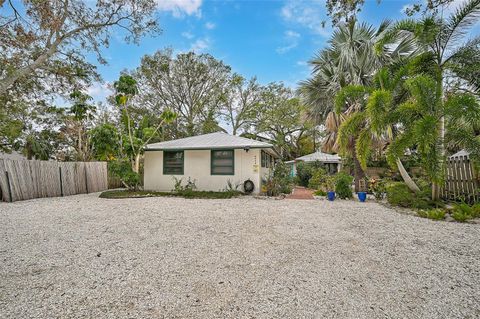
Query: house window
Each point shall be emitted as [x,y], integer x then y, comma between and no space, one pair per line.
[173,163]
[222,162]
[267,160]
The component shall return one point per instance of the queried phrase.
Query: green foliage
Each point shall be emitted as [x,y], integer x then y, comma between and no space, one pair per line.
[378,188]
[191,194]
[317,181]
[351,96]
[279,181]
[122,168]
[435,214]
[343,185]
[463,212]
[320,193]
[231,187]
[304,173]
[105,142]
[330,182]
[398,194]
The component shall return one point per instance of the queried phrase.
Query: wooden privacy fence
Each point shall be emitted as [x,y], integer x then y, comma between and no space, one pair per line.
[22,179]
[461,182]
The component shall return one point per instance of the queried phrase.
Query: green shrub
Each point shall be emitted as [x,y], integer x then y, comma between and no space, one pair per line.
[378,188]
[317,181]
[279,181]
[320,193]
[398,194]
[463,212]
[304,173]
[435,214]
[459,216]
[476,210]
[343,185]
[122,169]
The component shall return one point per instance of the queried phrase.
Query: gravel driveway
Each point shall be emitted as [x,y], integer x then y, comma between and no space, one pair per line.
[86,257]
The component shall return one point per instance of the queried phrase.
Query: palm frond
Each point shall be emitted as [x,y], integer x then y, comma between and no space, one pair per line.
[460,22]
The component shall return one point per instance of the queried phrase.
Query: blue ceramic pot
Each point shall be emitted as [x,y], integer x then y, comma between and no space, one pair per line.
[362,196]
[331,196]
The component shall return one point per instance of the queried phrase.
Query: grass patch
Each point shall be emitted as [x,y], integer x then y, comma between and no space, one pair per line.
[185,194]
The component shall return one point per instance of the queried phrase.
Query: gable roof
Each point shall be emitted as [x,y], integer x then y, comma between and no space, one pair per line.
[460,153]
[321,157]
[217,140]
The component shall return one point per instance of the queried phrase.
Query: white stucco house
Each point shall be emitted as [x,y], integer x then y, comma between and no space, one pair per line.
[211,160]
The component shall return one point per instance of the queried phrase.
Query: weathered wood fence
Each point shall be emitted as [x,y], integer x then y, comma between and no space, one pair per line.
[23,179]
[461,180]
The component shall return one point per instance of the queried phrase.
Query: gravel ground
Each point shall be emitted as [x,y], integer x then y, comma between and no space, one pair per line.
[86,257]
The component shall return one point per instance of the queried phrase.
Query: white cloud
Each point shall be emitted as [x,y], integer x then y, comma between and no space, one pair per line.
[187,35]
[291,39]
[180,7]
[100,91]
[309,14]
[302,63]
[210,25]
[201,45]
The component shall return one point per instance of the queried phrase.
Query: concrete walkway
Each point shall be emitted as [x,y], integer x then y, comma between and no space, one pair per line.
[301,193]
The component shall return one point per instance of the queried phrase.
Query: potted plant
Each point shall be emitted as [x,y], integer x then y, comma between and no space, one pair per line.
[330,185]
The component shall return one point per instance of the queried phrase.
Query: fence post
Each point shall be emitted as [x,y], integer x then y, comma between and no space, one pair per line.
[86,180]
[61,182]
[9,187]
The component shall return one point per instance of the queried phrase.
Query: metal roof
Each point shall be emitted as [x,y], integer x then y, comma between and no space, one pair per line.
[320,157]
[217,140]
[460,153]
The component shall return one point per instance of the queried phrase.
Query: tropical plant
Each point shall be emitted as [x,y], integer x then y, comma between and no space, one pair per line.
[446,55]
[435,213]
[278,181]
[122,169]
[317,181]
[343,185]
[126,89]
[350,59]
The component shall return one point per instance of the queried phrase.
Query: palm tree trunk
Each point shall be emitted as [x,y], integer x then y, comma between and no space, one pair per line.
[406,178]
[358,173]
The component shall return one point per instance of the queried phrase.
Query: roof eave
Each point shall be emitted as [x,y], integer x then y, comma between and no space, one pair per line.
[206,148]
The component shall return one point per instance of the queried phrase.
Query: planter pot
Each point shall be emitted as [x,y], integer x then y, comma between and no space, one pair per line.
[331,196]
[362,196]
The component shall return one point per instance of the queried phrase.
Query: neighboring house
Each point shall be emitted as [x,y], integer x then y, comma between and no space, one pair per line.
[211,160]
[332,163]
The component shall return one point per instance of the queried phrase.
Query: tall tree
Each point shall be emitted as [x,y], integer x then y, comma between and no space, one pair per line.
[49,39]
[281,117]
[241,99]
[78,121]
[192,85]
[139,133]
[352,58]
[446,51]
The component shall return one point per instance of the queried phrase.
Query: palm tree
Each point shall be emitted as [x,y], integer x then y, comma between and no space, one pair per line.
[352,58]
[442,40]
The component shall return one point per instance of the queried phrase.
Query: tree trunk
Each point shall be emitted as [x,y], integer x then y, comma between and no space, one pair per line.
[136,164]
[440,96]
[406,178]
[358,172]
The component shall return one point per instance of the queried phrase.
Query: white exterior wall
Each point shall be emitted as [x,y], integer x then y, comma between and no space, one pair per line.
[197,166]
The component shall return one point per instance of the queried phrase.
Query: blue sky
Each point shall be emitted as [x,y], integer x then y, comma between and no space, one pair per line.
[270,39]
